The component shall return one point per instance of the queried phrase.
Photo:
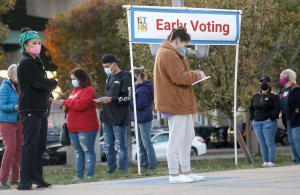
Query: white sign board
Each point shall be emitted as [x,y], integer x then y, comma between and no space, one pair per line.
[206,26]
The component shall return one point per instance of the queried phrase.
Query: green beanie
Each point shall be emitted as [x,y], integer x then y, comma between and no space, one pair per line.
[25,36]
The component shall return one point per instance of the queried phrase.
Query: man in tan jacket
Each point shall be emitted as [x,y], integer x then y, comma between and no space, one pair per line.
[175,99]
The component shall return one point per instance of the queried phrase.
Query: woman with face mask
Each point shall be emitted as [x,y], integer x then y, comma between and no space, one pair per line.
[82,122]
[10,128]
[35,89]
[290,106]
[264,112]
[144,100]
[175,100]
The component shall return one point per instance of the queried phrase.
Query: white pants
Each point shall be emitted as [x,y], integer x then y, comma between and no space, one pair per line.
[180,141]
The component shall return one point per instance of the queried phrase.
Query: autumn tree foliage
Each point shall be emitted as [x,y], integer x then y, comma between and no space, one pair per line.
[269,43]
[81,36]
[5,6]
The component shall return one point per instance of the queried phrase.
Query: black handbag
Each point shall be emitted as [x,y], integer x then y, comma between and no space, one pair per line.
[64,135]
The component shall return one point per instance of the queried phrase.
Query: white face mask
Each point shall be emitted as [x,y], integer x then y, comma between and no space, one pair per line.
[108,70]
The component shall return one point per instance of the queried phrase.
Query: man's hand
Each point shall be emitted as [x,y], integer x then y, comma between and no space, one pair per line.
[59,103]
[104,100]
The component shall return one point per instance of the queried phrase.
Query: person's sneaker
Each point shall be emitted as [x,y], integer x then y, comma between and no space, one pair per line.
[265,164]
[90,177]
[270,164]
[180,179]
[195,177]
[77,179]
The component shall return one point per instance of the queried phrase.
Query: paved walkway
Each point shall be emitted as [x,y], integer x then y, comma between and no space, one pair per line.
[260,181]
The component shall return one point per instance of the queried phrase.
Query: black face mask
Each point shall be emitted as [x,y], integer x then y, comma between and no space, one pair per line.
[264,86]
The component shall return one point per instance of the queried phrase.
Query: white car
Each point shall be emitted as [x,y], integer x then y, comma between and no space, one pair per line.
[160,143]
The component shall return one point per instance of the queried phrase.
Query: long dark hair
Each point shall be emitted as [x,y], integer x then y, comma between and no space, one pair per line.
[82,76]
[181,33]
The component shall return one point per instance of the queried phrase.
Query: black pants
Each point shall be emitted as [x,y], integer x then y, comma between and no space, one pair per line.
[34,145]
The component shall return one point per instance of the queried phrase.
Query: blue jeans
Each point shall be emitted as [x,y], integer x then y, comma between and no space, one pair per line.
[147,153]
[115,141]
[83,144]
[265,132]
[294,141]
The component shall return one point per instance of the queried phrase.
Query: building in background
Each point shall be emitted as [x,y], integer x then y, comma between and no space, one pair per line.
[34,14]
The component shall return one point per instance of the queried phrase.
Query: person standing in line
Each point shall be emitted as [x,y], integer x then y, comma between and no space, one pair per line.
[34,107]
[144,98]
[10,128]
[290,106]
[82,122]
[175,99]
[115,114]
[264,111]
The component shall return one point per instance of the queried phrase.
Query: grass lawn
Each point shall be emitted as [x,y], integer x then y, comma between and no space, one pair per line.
[65,175]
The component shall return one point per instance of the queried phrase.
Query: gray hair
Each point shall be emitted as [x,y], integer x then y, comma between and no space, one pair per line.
[12,70]
[290,74]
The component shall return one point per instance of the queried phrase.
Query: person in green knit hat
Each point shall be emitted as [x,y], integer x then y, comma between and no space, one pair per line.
[35,89]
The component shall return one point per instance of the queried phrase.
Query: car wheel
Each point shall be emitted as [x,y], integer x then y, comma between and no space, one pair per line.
[285,140]
[194,152]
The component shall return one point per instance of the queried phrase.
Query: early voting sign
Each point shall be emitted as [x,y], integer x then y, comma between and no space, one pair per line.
[152,25]
[206,26]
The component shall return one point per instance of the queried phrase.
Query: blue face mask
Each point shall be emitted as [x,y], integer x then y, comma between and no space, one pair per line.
[75,83]
[182,50]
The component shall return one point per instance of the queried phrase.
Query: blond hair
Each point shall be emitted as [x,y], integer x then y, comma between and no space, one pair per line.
[139,71]
[12,71]
[290,74]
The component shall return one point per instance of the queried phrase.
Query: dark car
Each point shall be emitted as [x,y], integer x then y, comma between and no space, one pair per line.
[230,134]
[218,137]
[205,133]
[282,137]
[55,154]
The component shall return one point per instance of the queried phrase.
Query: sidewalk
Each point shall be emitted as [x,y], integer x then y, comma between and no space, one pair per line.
[260,181]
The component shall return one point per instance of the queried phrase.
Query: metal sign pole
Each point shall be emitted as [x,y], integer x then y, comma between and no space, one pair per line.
[235,101]
[133,93]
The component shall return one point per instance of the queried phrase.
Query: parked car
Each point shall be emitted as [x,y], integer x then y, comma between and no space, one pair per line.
[205,133]
[230,134]
[55,154]
[160,142]
[282,137]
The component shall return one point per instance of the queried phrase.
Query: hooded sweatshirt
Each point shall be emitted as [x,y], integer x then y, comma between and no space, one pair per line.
[144,98]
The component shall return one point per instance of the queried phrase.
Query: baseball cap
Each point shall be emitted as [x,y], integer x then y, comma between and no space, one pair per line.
[265,79]
[109,58]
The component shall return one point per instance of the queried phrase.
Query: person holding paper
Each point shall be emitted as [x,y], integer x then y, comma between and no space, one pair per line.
[175,99]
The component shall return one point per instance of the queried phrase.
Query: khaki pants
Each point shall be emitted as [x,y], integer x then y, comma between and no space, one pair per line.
[180,141]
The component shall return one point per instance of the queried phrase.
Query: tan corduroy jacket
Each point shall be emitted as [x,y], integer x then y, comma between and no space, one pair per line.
[173,80]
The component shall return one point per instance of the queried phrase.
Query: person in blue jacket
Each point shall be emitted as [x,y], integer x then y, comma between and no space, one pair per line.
[10,128]
[144,98]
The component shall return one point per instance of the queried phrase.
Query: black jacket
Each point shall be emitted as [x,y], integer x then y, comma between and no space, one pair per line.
[294,107]
[34,86]
[117,112]
[264,107]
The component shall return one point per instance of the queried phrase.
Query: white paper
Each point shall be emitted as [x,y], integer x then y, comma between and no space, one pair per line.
[201,80]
